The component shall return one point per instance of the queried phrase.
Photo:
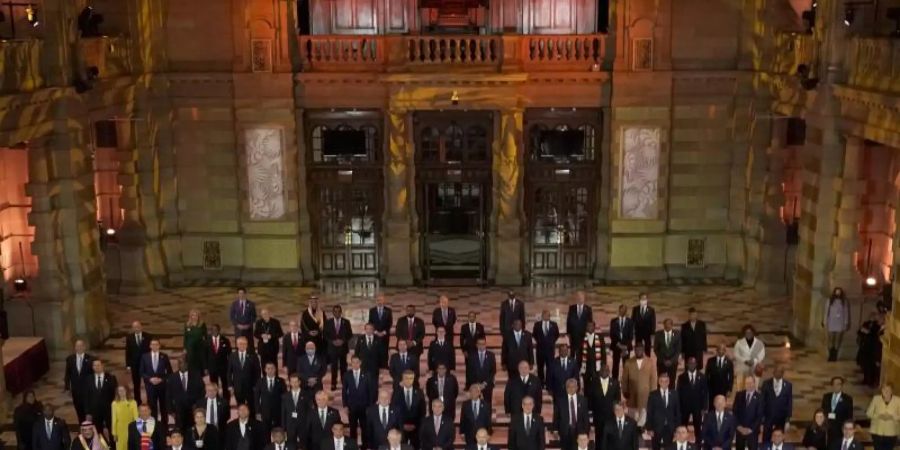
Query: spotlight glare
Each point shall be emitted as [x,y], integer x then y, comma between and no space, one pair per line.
[849,15]
[871,281]
[20,285]
[110,231]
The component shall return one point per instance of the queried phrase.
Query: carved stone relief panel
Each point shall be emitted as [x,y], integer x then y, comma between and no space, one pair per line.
[640,173]
[265,172]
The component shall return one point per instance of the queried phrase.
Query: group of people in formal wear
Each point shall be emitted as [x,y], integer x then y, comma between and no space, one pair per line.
[610,388]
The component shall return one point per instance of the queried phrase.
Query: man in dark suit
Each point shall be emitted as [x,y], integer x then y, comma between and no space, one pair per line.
[381,418]
[748,415]
[242,315]
[146,424]
[592,354]
[183,389]
[368,348]
[244,433]
[469,334]
[482,438]
[357,393]
[644,317]
[443,386]
[136,344]
[526,428]
[402,361]
[621,334]
[291,347]
[50,432]
[395,442]
[319,422]
[475,415]
[847,439]
[561,370]
[663,414]
[681,440]
[441,351]
[381,317]
[411,329]
[78,369]
[155,369]
[337,336]
[777,442]
[293,410]
[838,407]
[337,441]
[570,416]
[481,369]
[693,338]
[517,346]
[520,386]
[577,320]
[694,395]
[267,398]
[511,309]
[719,373]
[545,333]
[719,427]
[444,316]
[437,431]
[311,368]
[583,442]
[667,346]
[602,398]
[409,402]
[217,409]
[279,441]
[778,403]
[621,432]
[217,361]
[268,333]
[243,372]
[99,392]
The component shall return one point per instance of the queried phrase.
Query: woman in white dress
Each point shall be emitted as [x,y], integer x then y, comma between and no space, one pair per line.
[748,352]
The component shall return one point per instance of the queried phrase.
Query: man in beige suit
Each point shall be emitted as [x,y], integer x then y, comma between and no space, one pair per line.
[638,379]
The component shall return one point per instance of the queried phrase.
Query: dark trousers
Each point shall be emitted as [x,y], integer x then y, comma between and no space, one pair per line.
[156,397]
[218,376]
[884,442]
[645,340]
[184,417]
[338,363]
[244,396]
[357,420]
[691,415]
[567,440]
[617,355]
[750,441]
[411,437]
[543,365]
[136,383]
[662,438]
[78,401]
[777,423]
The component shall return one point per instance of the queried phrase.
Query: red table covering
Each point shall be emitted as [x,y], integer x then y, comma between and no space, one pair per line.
[29,367]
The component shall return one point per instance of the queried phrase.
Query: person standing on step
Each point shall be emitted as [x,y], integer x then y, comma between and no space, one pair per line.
[243,315]
[545,333]
[577,320]
[381,317]
[136,344]
[836,321]
[337,335]
[267,332]
[312,322]
[644,317]
[444,316]
[78,371]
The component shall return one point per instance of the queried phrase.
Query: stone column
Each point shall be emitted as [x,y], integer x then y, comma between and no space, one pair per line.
[304,224]
[846,238]
[131,261]
[508,165]
[400,238]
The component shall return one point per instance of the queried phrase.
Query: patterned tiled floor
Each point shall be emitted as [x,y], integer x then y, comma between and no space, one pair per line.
[725,308]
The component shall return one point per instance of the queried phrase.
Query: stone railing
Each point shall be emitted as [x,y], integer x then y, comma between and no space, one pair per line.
[110,55]
[874,63]
[21,66]
[793,49]
[330,53]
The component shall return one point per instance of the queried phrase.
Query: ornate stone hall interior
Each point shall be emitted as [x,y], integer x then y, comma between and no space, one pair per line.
[739,157]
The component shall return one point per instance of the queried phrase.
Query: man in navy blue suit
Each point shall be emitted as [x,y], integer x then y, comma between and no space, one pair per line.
[358,392]
[381,317]
[155,368]
[476,414]
[718,427]
[380,419]
[778,403]
[545,333]
[562,369]
[748,412]
[402,361]
[243,315]
[481,369]
[778,441]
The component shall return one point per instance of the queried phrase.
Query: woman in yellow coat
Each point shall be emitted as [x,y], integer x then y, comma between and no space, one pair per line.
[885,414]
[124,411]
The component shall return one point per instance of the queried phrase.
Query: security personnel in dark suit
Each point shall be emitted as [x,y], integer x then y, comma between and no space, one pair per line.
[136,344]
[475,415]
[243,433]
[621,432]
[380,419]
[291,347]
[778,403]
[50,432]
[217,362]
[481,369]
[381,317]
[319,421]
[545,333]
[694,395]
[267,398]
[526,428]
[368,348]
[838,407]
[644,317]
[99,393]
[719,426]
[520,386]
[444,316]
[517,346]
[562,369]
[311,369]
[357,394]
[337,338]
[570,416]
[155,369]
[469,333]
[78,369]
[621,335]
[443,386]
[437,430]
[409,402]
[603,395]
[243,372]
[402,361]
[748,414]
[663,414]
[577,320]
[693,338]
[667,346]
[411,329]
[293,409]
[441,351]
[183,389]
[719,373]
[511,309]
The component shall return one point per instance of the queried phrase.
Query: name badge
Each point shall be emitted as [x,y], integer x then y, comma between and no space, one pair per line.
[294,415]
[198,443]
[831,416]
